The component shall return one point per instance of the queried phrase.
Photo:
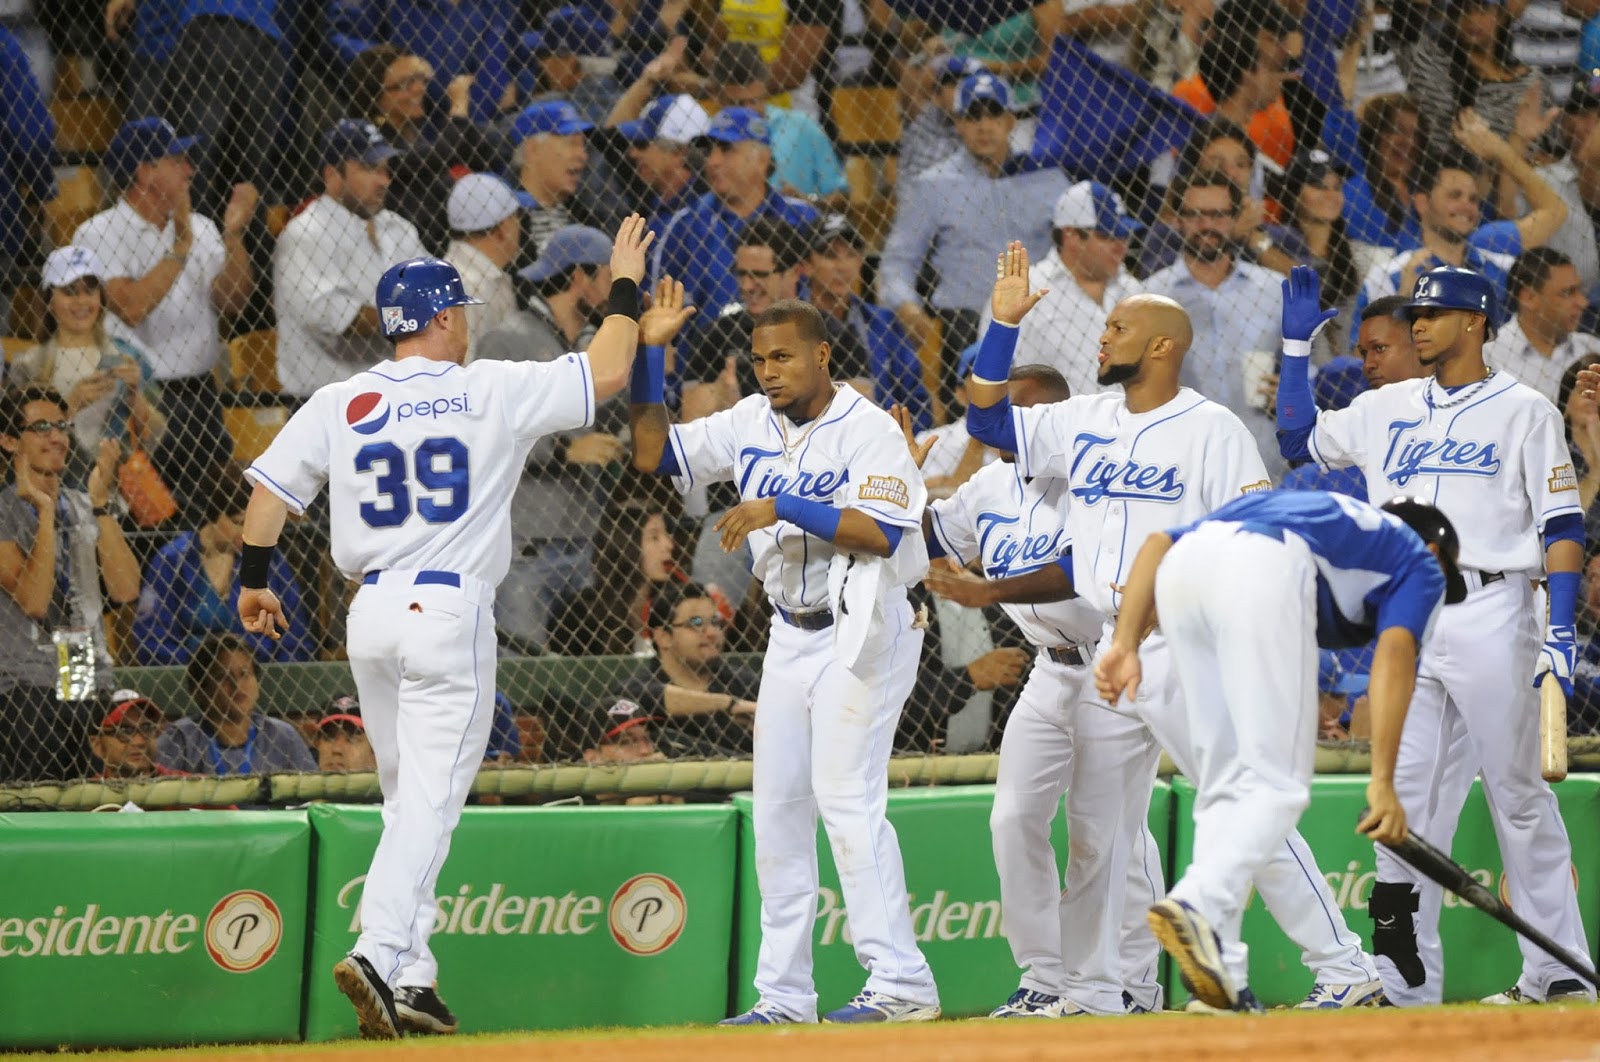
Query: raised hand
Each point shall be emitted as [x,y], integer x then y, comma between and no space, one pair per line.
[919,451]
[660,324]
[104,473]
[241,208]
[1011,300]
[1303,315]
[37,492]
[627,254]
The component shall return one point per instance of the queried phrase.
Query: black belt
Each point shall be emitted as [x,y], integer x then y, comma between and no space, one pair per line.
[1071,655]
[1477,580]
[807,621]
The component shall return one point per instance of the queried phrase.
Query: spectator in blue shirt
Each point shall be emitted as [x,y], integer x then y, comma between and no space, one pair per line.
[954,214]
[662,149]
[836,259]
[456,37]
[804,162]
[696,246]
[191,589]
[27,153]
[1377,199]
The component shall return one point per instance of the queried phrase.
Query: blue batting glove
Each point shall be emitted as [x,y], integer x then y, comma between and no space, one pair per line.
[1303,315]
[1559,655]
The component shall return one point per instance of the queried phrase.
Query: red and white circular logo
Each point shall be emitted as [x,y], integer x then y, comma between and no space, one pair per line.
[647,914]
[243,931]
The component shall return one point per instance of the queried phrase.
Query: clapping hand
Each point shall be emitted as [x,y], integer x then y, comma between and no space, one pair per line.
[627,254]
[919,450]
[660,324]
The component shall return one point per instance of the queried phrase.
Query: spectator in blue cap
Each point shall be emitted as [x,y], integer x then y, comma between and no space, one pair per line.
[930,136]
[551,153]
[664,147]
[328,261]
[804,162]
[952,214]
[573,54]
[170,274]
[555,510]
[696,246]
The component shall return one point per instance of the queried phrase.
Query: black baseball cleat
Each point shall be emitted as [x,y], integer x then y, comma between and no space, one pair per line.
[371,997]
[422,1011]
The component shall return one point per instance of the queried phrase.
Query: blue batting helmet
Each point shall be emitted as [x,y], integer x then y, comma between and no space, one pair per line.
[1450,288]
[412,293]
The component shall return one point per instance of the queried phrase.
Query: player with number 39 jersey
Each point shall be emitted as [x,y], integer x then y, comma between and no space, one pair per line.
[421,455]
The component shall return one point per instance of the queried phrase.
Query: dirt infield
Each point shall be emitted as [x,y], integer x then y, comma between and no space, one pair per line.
[1534,1033]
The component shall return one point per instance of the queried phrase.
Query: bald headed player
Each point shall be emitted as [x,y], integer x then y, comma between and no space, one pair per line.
[1154,456]
[832,512]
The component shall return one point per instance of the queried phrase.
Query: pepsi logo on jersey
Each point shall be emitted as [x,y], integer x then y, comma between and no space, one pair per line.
[1014,555]
[773,482]
[1121,480]
[1409,457]
[367,413]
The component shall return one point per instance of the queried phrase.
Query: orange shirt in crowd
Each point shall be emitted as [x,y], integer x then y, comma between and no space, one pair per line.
[1269,127]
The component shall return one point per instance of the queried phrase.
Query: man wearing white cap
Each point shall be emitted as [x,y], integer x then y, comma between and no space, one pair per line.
[1085,277]
[485,235]
[661,148]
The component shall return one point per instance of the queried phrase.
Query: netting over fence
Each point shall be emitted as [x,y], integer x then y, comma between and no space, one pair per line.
[197,198]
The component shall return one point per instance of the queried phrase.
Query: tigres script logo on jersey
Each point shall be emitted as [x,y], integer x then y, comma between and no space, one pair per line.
[1014,554]
[1096,475]
[890,489]
[1562,477]
[1409,457]
[773,481]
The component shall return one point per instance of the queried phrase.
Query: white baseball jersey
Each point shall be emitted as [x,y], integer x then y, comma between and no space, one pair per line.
[1493,458]
[1015,526]
[852,456]
[1133,474]
[421,458]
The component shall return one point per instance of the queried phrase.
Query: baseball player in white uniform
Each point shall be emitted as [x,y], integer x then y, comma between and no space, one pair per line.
[1491,452]
[1246,595]
[1014,528]
[1156,455]
[832,513]
[420,455]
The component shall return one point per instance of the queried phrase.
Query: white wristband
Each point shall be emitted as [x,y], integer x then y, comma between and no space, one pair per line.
[1297,348]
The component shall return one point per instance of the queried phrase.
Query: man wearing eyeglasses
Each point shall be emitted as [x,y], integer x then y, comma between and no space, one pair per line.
[706,704]
[1232,305]
[58,547]
[125,743]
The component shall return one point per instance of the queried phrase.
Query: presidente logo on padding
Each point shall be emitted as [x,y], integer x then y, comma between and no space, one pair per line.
[367,413]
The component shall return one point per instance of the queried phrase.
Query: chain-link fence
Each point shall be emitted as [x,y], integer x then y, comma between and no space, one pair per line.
[196,200]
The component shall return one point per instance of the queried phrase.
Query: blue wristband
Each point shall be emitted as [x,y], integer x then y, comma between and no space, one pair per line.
[999,346]
[647,386]
[813,517]
[1563,598]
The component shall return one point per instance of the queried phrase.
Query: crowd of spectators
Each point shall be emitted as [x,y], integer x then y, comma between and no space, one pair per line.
[273,158]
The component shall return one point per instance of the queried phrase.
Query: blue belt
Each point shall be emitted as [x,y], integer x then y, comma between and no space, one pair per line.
[807,621]
[423,578]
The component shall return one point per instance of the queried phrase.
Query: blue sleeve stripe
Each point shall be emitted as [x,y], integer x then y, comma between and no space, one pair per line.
[588,389]
[944,543]
[275,487]
[886,517]
[680,459]
[1565,527]
[892,533]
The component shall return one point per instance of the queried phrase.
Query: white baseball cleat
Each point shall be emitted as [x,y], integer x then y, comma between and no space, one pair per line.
[1025,1003]
[1344,997]
[1564,991]
[869,1007]
[1195,947]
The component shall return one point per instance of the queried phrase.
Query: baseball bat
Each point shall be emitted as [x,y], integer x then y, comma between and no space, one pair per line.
[1440,868]
[1552,729]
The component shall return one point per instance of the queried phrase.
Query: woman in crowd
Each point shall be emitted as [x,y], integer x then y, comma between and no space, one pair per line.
[636,551]
[191,588]
[1377,203]
[103,378]
[1463,59]
[230,737]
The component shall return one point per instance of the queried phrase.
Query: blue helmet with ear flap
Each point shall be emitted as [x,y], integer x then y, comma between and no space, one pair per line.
[412,293]
[1452,288]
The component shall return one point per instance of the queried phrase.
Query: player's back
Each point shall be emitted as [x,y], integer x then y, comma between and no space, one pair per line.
[421,458]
